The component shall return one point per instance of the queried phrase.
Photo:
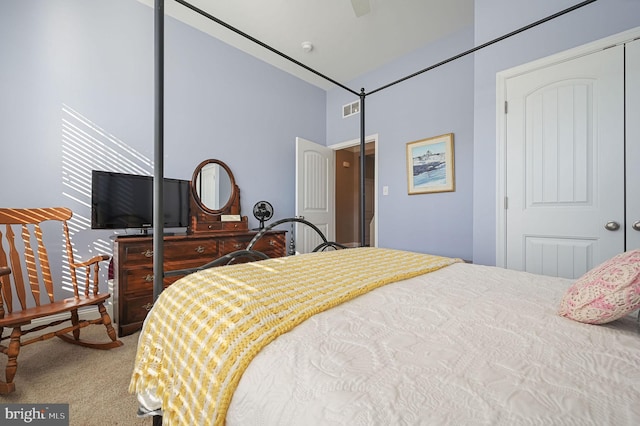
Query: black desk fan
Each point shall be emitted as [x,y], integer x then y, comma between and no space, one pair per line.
[263,211]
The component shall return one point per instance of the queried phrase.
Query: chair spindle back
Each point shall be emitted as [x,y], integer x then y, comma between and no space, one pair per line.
[34,258]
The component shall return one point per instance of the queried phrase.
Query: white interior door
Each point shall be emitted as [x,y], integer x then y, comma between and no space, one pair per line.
[564,165]
[633,143]
[315,193]
[208,182]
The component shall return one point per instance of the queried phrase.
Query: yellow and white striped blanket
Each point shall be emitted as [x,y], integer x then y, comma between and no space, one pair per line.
[205,329]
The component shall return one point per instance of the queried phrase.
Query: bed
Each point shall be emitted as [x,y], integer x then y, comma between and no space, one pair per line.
[385,337]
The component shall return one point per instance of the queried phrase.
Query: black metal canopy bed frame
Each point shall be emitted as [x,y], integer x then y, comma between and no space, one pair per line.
[362,94]
[451,342]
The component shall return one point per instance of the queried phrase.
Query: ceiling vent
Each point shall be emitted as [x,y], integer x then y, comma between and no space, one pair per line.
[350,109]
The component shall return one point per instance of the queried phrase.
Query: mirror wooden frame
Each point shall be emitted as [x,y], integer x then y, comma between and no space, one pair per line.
[204,219]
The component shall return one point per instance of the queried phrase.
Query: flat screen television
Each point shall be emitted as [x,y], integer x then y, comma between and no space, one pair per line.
[123,201]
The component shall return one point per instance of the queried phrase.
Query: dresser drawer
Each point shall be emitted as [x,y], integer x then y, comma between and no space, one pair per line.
[142,253]
[271,244]
[136,280]
[233,244]
[140,280]
[135,309]
[136,253]
[204,223]
[187,250]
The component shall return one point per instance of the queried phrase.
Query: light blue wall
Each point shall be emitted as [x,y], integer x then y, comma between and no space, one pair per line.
[222,103]
[431,104]
[460,97]
[76,94]
[493,19]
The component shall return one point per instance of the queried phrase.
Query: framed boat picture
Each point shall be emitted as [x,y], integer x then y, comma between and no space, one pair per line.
[430,165]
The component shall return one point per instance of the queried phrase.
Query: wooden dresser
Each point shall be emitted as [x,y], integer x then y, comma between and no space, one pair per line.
[133,266]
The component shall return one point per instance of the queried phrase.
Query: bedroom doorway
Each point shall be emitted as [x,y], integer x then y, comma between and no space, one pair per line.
[347,195]
[566,202]
[347,198]
[328,192]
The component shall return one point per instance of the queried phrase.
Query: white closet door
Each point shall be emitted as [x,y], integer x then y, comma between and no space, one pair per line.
[564,174]
[633,144]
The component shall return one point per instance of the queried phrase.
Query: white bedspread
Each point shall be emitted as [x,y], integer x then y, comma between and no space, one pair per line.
[465,345]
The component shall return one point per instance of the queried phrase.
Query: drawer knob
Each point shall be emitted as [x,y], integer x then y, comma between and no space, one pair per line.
[147,307]
[200,249]
[147,253]
[148,278]
[272,243]
[238,245]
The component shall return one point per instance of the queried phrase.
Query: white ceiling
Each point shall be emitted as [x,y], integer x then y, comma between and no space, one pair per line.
[344,45]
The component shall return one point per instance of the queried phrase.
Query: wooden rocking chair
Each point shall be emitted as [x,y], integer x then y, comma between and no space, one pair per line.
[39,282]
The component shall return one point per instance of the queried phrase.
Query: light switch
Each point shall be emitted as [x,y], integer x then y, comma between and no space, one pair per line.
[385,190]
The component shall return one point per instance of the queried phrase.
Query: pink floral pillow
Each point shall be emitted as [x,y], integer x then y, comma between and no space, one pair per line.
[607,292]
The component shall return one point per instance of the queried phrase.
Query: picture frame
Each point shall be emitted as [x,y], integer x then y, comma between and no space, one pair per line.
[430,165]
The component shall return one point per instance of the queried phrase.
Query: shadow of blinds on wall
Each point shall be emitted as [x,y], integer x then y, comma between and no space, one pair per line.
[86,146]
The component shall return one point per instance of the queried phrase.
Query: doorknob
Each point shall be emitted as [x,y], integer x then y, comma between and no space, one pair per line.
[636,225]
[612,226]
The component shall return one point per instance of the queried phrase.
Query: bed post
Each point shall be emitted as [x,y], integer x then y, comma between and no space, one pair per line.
[158,171]
[363,163]
[158,168]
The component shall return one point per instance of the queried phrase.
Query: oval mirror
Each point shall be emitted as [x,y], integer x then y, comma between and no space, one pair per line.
[213,186]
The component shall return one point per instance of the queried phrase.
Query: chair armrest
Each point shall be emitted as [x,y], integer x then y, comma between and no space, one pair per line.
[92,261]
[90,279]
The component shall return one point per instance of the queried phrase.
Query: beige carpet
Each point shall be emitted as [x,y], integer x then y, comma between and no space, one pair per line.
[93,382]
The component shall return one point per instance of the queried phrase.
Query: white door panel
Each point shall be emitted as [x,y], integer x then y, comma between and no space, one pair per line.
[633,144]
[315,193]
[564,174]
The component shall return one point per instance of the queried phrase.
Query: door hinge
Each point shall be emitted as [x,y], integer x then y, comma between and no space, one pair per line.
[506,108]
[506,203]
